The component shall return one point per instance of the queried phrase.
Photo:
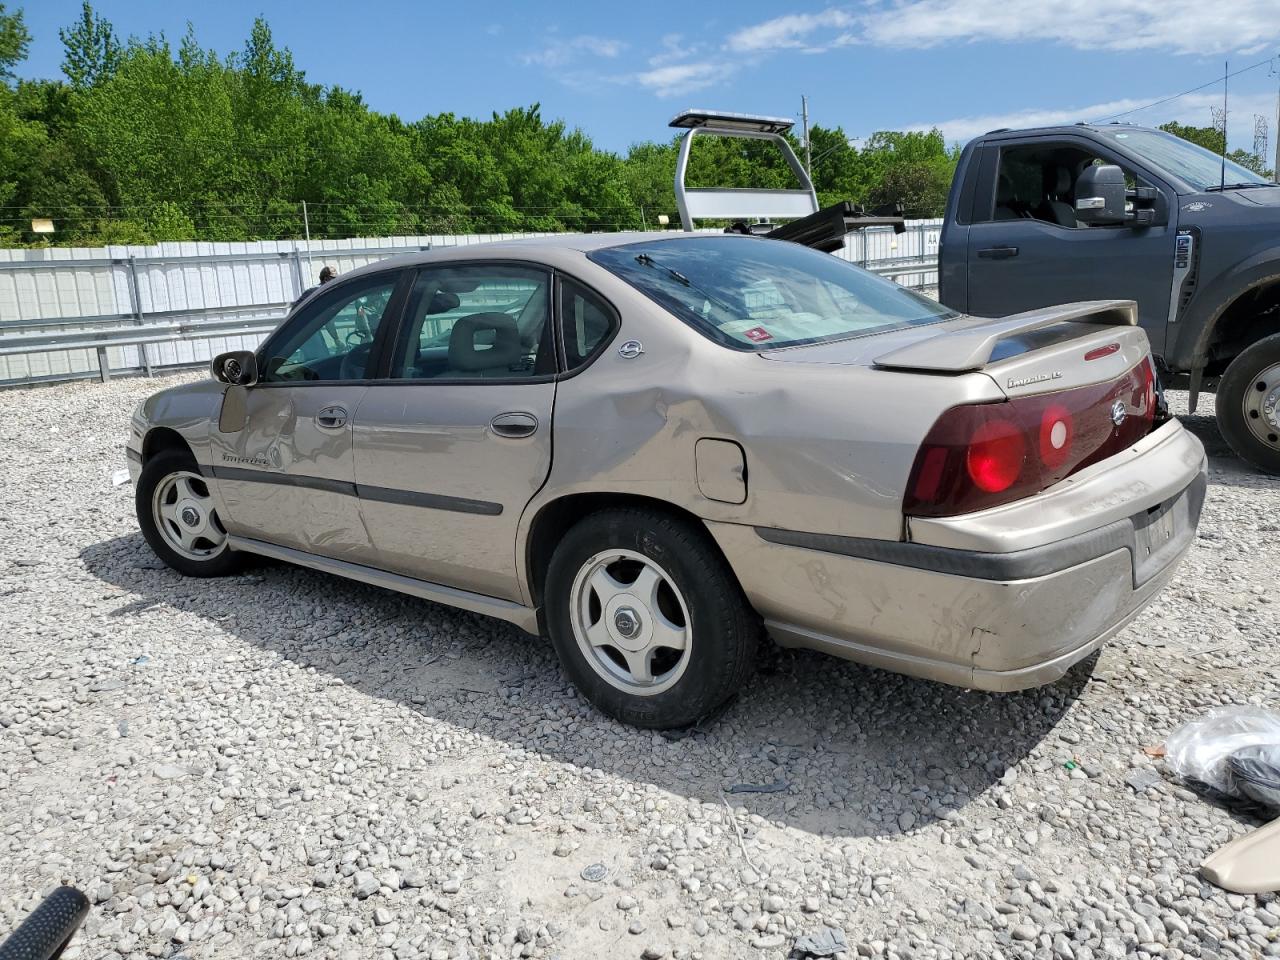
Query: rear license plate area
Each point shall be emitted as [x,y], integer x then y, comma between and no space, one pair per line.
[1159,534]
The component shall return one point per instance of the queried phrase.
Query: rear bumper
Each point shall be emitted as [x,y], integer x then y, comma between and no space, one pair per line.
[982,619]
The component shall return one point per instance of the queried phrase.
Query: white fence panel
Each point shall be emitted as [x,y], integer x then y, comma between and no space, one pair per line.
[80,289]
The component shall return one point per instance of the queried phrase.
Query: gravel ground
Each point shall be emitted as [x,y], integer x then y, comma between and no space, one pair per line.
[284,763]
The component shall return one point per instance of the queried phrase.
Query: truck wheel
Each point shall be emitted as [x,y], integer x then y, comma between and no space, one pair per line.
[648,620]
[1248,404]
[178,517]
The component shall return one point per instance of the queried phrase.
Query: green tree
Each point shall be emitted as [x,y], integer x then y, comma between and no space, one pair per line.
[145,142]
[1250,161]
[91,50]
[1208,137]
[14,40]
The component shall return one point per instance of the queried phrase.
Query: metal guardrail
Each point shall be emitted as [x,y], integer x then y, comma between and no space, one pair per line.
[69,263]
[130,336]
[191,324]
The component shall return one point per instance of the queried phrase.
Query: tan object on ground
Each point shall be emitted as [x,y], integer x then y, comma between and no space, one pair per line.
[1250,864]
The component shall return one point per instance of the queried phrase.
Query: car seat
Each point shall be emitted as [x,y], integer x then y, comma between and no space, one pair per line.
[1006,200]
[1056,206]
[470,353]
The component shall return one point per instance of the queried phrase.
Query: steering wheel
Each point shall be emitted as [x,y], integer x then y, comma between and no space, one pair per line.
[357,337]
[354,363]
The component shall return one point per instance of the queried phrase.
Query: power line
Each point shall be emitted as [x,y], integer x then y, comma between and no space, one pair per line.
[1211,83]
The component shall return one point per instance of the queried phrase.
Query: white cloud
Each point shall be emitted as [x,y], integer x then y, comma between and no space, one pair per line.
[1192,109]
[794,31]
[674,49]
[673,79]
[559,52]
[1223,26]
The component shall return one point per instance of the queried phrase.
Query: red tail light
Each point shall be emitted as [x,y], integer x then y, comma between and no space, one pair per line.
[982,455]
[995,455]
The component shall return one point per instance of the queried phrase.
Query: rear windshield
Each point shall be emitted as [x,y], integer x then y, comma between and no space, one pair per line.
[758,294]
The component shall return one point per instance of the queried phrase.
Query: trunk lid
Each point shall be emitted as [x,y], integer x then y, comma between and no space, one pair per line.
[1039,351]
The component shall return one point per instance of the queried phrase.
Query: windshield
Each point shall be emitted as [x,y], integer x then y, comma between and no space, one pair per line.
[1188,161]
[759,294]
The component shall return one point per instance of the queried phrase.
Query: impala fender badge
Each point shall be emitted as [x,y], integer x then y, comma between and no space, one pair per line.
[630,349]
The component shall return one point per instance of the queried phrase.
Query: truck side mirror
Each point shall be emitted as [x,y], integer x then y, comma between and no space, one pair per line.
[1100,196]
[239,368]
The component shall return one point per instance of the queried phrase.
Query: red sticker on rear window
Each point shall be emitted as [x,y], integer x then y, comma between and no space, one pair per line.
[758,334]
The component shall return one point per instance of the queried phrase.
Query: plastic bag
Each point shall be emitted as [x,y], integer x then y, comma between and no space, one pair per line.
[1255,772]
[1199,750]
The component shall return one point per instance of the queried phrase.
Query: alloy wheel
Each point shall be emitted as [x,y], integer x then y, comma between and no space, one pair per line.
[631,622]
[185,515]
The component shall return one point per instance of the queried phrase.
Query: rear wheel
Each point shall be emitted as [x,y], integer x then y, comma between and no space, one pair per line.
[179,518]
[1248,404]
[648,619]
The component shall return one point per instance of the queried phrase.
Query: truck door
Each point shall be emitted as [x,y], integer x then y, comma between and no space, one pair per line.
[1025,248]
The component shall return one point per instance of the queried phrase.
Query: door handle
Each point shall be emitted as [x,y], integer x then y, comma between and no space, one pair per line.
[514,425]
[998,253]
[332,418]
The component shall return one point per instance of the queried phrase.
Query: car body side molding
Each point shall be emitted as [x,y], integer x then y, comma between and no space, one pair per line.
[411,498]
[1019,564]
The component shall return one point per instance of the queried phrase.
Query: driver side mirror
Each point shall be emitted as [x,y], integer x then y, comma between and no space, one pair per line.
[238,368]
[1100,196]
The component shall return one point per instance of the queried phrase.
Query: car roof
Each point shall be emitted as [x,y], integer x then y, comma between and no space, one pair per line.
[1058,129]
[538,249]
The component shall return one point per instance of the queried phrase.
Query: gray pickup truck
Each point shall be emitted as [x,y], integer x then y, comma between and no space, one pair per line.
[1091,212]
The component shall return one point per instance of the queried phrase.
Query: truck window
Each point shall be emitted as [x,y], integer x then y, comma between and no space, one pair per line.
[1037,182]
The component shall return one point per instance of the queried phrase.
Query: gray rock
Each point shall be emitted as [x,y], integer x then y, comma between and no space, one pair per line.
[366,884]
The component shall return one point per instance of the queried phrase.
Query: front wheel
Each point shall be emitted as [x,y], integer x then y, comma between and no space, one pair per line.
[1248,404]
[179,518]
[647,618]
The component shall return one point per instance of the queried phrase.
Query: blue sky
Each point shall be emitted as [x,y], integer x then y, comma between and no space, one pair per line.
[621,70]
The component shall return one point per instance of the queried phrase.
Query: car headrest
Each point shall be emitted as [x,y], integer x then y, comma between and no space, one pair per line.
[466,354]
[1057,181]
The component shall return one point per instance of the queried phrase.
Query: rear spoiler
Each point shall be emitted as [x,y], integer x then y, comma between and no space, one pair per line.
[970,348]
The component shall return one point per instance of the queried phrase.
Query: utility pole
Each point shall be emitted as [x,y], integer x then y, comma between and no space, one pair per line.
[306,226]
[804,114]
[1275,173]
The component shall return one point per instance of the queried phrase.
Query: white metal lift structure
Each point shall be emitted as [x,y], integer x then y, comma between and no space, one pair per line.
[752,210]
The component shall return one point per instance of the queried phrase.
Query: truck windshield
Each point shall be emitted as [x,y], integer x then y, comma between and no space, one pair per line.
[1188,161]
[757,294]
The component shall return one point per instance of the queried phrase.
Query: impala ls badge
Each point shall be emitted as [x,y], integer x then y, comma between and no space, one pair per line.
[1034,378]
[630,349]
[1118,412]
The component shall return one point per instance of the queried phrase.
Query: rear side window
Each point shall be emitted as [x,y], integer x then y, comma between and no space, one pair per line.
[477,322]
[757,294]
[588,322]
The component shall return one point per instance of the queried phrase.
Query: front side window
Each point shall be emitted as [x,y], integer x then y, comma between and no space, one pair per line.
[758,294]
[487,321]
[1038,182]
[332,337]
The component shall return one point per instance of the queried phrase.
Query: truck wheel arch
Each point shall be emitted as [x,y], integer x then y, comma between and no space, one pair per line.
[1223,310]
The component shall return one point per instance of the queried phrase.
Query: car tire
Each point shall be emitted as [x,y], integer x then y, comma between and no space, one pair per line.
[1248,404]
[179,518]
[648,619]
